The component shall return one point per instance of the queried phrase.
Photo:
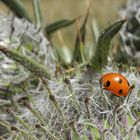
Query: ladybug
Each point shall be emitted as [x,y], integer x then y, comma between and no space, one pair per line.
[115,83]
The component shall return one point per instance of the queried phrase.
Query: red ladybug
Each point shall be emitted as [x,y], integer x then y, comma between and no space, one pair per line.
[115,83]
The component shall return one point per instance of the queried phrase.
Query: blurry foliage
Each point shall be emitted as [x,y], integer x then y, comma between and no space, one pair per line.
[17,8]
[79,54]
[100,58]
[58,25]
[130,33]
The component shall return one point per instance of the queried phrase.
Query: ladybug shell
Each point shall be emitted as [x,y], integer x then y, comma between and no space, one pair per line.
[115,83]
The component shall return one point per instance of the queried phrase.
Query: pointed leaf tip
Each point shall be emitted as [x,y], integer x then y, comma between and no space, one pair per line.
[103,45]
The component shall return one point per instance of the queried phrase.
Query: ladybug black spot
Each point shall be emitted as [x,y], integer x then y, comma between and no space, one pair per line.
[108,83]
[120,91]
[120,81]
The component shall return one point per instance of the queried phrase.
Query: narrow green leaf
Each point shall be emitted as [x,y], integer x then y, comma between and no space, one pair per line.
[29,64]
[37,12]
[103,45]
[64,54]
[95,30]
[80,40]
[17,8]
[58,25]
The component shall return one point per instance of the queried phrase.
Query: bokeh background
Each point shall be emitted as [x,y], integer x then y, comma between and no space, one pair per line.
[103,12]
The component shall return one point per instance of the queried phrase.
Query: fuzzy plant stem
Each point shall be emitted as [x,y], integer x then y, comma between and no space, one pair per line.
[41,119]
[29,64]
[54,101]
[134,125]
[75,102]
[13,129]
[6,125]
[18,119]
[23,123]
[76,135]
[87,107]
[24,133]
[28,96]
[36,113]
[46,131]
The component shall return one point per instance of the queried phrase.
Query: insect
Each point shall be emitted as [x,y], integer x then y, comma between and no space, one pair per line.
[115,83]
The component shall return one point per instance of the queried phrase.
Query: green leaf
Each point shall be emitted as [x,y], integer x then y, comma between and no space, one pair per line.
[84,137]
[130,120]
[17,8]
[37,12]
[29,64]
[58,25]
[103,45]
[79,54]
[96,133]
[106,124]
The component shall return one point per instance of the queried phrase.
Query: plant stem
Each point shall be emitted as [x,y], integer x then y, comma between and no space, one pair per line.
[26,62]
[37,12]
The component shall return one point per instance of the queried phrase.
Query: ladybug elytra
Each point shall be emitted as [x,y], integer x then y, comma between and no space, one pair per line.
[115,83]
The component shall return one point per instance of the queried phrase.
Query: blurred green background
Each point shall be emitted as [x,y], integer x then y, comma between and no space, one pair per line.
[103,11]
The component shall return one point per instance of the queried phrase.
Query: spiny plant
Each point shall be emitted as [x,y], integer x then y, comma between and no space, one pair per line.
[130,33]
[41,99]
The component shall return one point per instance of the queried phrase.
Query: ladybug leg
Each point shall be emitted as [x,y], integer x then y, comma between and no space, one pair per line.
[130,91]
[101,85]
[100,82]
[102,90]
